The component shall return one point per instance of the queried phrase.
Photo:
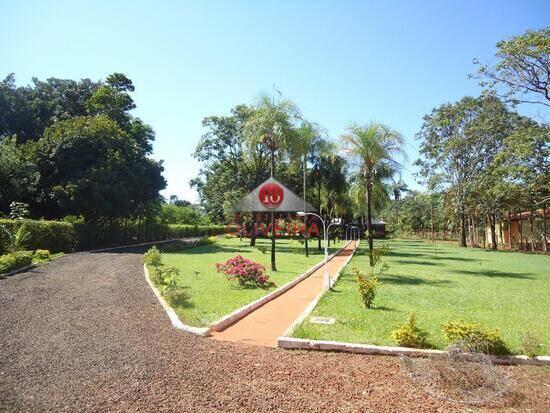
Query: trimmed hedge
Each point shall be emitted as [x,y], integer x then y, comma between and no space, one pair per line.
[15,260]
[55,236]
[181,231]
[58,236]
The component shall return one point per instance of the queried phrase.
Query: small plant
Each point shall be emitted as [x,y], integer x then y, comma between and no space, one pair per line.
[17,238]
[168,277]
[245,271]
[531,344]
[152,257]
[473,337]
[15,260]
[367,286]
[261,248]
[42,254]
[410,335]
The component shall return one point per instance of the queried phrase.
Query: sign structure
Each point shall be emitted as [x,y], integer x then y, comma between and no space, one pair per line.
[272,196]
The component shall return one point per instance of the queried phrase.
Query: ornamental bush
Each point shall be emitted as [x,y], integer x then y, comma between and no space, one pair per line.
[15,260]
[473,337]
[367,286]
[410,335]
[152,257]
[245,271]
[531,344]
[42,254]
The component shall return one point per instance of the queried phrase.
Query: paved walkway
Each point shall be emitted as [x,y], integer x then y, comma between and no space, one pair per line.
[263,326]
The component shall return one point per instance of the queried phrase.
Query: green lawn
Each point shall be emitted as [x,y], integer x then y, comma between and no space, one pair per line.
[504,290]
[212,296]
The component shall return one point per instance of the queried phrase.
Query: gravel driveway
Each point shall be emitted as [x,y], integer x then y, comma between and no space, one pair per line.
[85,333]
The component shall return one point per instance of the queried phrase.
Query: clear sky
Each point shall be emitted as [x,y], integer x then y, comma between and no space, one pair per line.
[340,61]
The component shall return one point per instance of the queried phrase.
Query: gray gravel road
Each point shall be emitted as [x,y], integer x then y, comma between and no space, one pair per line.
[85,333]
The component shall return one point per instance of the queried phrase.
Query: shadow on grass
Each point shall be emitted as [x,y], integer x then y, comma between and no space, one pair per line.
[494,274]
[383,308]
[410,280]
[411,262]
[179,298]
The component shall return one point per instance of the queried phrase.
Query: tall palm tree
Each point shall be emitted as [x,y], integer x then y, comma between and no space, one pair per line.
[308,134]
[272,123]
[397,188]
[367,148]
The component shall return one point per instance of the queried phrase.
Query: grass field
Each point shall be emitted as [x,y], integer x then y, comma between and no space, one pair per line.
[212,296]
[504,290]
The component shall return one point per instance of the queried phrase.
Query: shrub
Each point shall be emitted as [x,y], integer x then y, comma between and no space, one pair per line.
[42,254]
[472,337]
[261,248]
[209,240]
[410,335]
[245,271]
[55,236]
[152,257]
[183,231]
[15,260]
[531,344]
[367,286]
[168,278]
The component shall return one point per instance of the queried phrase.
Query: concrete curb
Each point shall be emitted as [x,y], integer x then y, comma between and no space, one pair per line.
[314,302]
[176,322]
[186,239]
[17,271]
[242,312]
[305,344]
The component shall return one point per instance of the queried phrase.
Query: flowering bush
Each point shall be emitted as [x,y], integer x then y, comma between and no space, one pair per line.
[245,272]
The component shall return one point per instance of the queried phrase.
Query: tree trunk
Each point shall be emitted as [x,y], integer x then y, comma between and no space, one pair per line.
[501,231]
[510,230]
[306,235]
[532,227]
[484,231]
[319,199]
[544,247]
[273,229]
[253,231]
[462,227]
[520,232]
[369,214]
[492,223]
[432,219]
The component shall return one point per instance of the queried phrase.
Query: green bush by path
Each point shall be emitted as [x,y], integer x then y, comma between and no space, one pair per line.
[500,290]
[62,236]
[210,296]
[15,260]
[55,236]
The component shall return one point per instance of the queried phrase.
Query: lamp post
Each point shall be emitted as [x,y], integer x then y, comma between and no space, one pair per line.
[325,239]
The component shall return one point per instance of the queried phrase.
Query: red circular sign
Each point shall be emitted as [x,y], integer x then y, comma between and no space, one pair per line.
[271,195]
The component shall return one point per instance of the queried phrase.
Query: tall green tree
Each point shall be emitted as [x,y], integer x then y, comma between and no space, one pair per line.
[521,73]
[368,147]
[89,166]
[18,175]
[273,124]
[303,146]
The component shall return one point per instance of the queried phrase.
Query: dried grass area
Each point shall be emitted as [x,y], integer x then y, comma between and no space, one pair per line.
[469,378]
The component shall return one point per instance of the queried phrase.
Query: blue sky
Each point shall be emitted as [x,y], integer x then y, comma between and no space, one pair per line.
[340,61]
